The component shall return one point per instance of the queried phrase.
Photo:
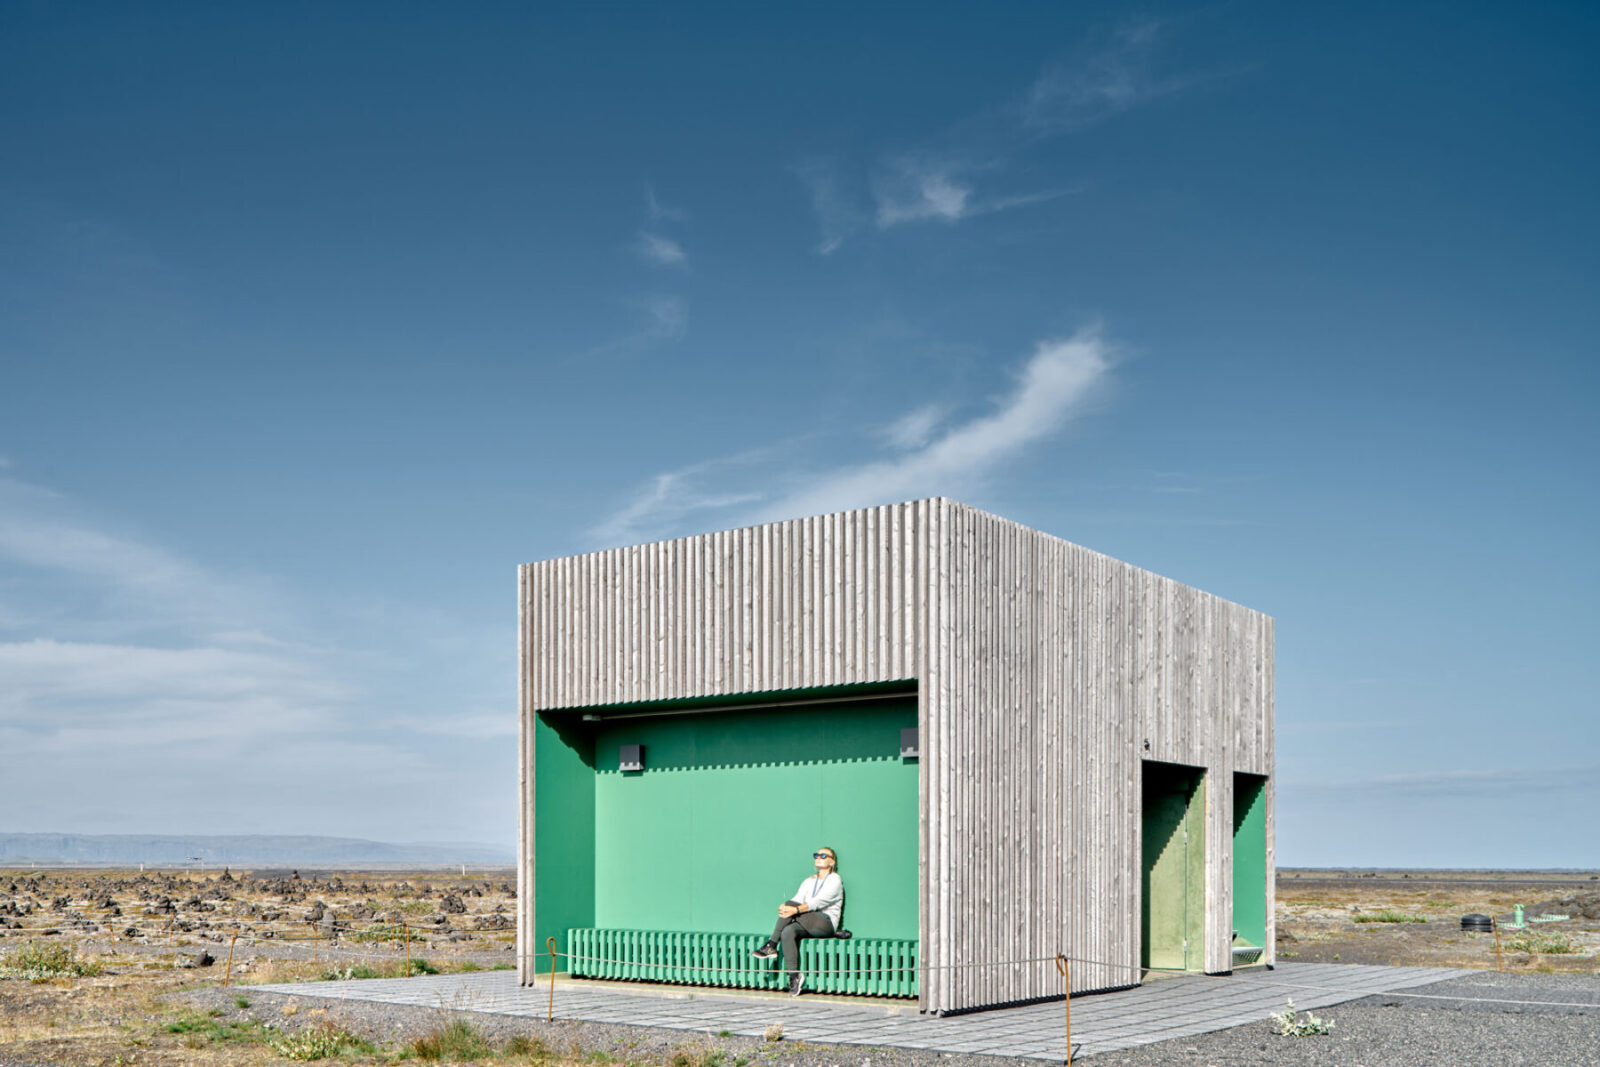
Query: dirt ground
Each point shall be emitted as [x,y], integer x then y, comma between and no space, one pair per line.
[89,959]
[118,967]
[1413,918]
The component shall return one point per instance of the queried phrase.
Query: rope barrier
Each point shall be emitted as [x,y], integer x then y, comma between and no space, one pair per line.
[1065,968]
[551,1013]
[400,932]
[1062,961]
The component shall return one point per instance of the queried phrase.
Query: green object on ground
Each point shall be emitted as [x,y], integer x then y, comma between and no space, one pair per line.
[867,966]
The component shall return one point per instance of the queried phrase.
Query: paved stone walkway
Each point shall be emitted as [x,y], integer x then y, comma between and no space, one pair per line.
[1161,1010]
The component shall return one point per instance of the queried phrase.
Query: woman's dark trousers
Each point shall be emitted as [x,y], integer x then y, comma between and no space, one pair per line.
[789,931]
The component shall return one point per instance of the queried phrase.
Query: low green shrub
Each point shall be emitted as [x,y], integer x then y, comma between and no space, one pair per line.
[696,1056]
[526,1045]
[1309,1026]
[457,1039]
[380,932]
[1388,915]
[319,1043]
[394,969]
[206,1026]
[1545,944]
[44,959]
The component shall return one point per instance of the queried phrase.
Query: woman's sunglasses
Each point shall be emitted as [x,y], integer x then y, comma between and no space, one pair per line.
[821,856]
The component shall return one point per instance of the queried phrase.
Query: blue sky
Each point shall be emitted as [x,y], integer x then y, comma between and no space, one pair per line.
[315,320]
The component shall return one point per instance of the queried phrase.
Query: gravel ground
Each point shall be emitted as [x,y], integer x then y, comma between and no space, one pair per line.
[1385,1031]
[1395,1031]
[396,1024]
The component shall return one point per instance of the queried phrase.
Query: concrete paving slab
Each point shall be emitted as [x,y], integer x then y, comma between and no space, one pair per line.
[1174,1007]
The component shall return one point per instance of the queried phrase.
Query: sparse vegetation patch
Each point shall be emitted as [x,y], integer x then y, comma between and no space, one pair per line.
[1307,1025]
[457,1039]
[1388,915]
[319,1043]
[38,960]
[1552,944]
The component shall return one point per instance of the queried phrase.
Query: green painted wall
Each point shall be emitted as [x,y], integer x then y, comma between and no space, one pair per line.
[564,831]
[718,830]
[1172,914]
[1250,858]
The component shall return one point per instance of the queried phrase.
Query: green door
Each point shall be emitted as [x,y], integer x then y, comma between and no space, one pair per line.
[1250,860]
[1173,868]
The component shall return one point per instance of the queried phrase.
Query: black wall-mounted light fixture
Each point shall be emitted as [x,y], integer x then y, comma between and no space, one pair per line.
[910,745]
[631,758]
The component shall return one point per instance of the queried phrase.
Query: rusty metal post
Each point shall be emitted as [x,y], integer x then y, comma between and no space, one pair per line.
[1064,968]
[550,1013]
[1499,960]
[228,971]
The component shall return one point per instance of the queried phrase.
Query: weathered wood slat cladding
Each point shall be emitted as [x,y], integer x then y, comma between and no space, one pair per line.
[1045,674]
[832,600]
[1057,667]
[786,606]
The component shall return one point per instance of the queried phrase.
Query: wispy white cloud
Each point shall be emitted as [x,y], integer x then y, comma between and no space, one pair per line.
[670,497]
[837,214]
[947,178]
[1112,76]
[59,693]
[661,251]
[902,190]
[1061,375]
[914,428]
[1050,387]
[661,318]
[661,212]
[669,317]
[154,680]
[665,315]
[910,190]
[914,192]
[128,577]
[1500,781]
[654,246]
[480,724]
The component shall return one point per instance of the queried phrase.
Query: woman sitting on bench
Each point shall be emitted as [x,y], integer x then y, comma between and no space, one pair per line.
[812,912]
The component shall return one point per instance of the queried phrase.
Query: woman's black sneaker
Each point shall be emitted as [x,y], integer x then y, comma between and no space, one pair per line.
[766,951]
[797,982]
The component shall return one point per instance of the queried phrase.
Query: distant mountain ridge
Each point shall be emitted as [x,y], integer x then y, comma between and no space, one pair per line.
[240,849]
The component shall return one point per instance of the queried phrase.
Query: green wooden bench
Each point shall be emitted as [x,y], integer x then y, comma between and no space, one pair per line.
[865,966]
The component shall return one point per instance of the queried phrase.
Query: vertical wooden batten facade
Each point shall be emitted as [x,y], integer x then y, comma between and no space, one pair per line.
[1045,675]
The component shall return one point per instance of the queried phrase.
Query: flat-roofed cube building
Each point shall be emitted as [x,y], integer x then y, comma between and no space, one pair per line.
[1018,747]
